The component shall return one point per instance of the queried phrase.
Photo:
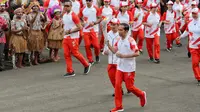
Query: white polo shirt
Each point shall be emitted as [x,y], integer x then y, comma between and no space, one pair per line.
[125,18]
[90,15]
[70,20]
[169,16]
[113,38]
[177,7]
[126,46]
[83,3]
[193,30]
[153,19]
[115,3]
[76,7]
[138,23]
[107,12]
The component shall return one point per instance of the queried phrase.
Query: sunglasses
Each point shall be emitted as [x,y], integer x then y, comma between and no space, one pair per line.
[88,0]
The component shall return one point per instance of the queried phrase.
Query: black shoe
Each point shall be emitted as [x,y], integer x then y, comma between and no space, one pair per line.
[97,59]
[151,59]
[179,45]
[101,50]
[69,74]
[189,55]
[157,61]
[198,83]
[87,69]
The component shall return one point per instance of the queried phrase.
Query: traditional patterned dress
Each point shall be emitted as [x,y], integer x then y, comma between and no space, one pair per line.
[56,34]
[18,40]
[36,37]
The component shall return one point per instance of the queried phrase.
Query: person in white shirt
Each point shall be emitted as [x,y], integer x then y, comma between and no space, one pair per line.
[152,22]
[91,17]
[193,30]
[138,27]
[115,4]
[113,37]
[107,13]
[76,6]
[178,8]
[169,19]
[126,50]
[72,26]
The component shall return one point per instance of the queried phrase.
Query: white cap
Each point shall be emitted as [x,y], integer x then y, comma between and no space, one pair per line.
[139,1]
[194,3]
[153,5]
[123,4]
[195,10]
[170,3]
[115,21]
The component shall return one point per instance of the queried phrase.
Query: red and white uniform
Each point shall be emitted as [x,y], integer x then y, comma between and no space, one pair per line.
[147,3]
[107,13]
[138,27]
[169,16]
[83,3]
[193,30]
[178,8]
[125,18]
[70,42]
[76,6]
[153,19]
[126,70]
[115,3]
[112,58]
[90,33]
[152,34]
[90,15]
[170,29]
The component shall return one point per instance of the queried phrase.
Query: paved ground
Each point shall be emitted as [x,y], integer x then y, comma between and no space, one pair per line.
[170,87]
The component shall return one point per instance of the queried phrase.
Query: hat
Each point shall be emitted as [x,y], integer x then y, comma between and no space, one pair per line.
[115,21]
[170,3]
[57,10]
[122,4]
[138,1]
[195,11]
[194,3]
[153,5]
[18,10]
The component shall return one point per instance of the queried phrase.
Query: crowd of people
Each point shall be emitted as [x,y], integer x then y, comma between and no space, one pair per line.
[116,28]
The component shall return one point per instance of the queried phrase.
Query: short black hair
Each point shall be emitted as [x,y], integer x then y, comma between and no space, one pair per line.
[68,1]
[126,26]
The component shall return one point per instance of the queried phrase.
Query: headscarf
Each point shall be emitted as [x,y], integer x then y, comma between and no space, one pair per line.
[18,10]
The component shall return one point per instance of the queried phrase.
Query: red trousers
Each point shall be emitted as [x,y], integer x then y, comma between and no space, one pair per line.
[128,78]
[140,35]
[112,68]
[153,43]
[71,46]
[170,38]
[195,53]
[177,32]
[90,38]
